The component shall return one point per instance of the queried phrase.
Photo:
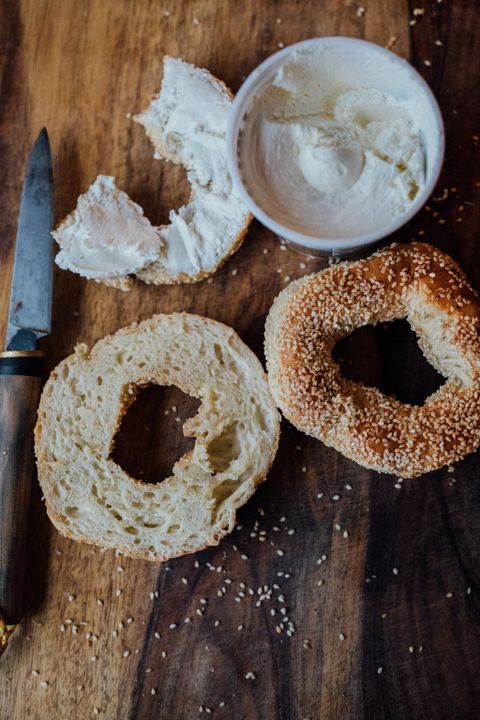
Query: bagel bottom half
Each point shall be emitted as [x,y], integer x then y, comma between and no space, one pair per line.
[90,498]
[416,282]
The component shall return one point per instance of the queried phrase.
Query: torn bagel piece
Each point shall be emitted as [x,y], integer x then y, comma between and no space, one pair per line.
[108,238]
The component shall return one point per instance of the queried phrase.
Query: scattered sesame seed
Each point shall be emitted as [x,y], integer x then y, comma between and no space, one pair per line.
[380,670]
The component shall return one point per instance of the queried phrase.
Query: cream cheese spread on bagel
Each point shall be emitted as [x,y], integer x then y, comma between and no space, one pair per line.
[108,236]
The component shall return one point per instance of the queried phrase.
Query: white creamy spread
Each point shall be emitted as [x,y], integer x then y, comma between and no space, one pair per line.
[187,124]
[326,157]
[107,235]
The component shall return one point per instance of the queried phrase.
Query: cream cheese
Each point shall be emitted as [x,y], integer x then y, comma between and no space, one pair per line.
[326,157]
[187,124]
[107,235]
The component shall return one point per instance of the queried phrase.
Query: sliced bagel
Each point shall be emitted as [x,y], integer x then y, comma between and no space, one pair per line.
[187,123]
[417,282]
[91,499]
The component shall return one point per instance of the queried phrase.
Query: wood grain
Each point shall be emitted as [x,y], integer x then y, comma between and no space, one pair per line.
[79,68]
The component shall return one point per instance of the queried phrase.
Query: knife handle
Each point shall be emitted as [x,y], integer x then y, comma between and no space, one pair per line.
[20,386]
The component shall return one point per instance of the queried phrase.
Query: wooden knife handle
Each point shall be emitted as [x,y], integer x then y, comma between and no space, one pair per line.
[20,385]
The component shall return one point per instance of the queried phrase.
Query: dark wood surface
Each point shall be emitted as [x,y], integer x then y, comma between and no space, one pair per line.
[387,625]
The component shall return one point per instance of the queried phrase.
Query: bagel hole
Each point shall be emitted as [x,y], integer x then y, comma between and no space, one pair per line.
[150,438]
[176,190]
[387,356]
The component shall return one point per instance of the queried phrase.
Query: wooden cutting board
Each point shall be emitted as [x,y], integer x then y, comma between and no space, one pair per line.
[379,579]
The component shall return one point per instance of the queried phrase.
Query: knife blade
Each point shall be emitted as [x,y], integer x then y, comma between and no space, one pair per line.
[31,294]
[21,369]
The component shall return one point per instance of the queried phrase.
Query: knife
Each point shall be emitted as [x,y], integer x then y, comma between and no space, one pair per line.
[21,369]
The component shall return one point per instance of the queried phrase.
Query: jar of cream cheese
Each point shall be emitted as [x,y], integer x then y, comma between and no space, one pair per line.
[334,143]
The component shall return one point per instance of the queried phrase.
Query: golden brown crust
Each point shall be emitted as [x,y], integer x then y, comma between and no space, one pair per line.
[414,281]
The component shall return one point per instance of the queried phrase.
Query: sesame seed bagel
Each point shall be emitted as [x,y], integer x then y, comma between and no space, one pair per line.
[416,282]
[92,499]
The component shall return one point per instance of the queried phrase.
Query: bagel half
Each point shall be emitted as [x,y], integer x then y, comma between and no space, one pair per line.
[107,236]
[416,282]
[91,499]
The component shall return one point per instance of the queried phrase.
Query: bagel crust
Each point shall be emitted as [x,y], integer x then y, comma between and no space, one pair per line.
[416,282]
[91,499]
